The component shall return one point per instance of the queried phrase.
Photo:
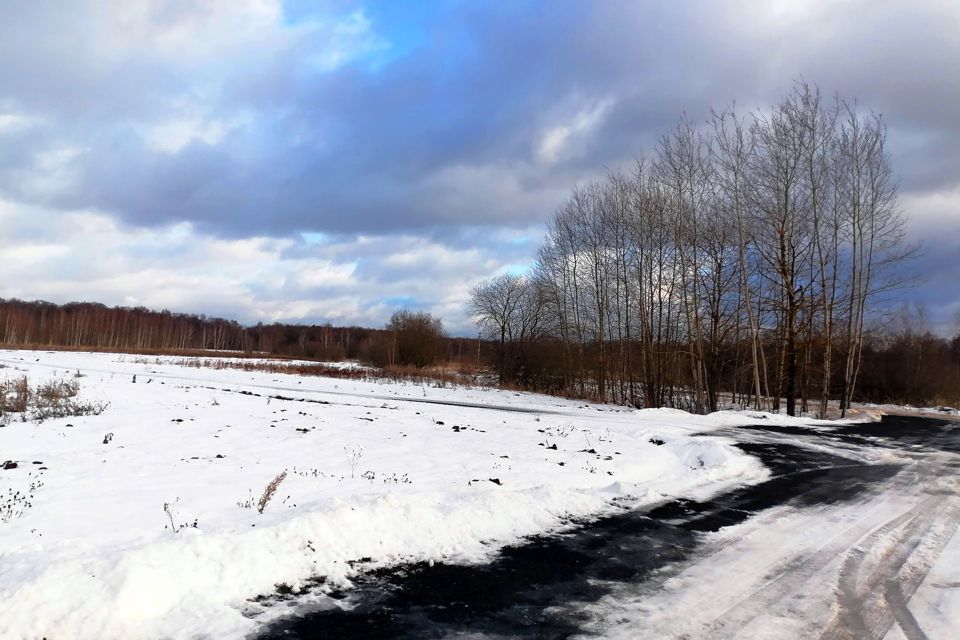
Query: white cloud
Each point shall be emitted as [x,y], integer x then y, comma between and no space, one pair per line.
[345,39]
[207,35]
[933,212]
[565,139]
[11,121]
[170,136]
[85,255]
[323,273]
[196,32]
[53,170]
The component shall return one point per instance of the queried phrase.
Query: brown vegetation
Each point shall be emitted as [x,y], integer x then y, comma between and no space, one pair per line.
[270,490]
[47,400]
[449,374]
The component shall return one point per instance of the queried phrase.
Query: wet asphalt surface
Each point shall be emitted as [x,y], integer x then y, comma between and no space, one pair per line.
[532,590]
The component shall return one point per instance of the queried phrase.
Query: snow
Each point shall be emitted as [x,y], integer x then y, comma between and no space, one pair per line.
[937,600]
[157,533]
[794,572]
[894,408]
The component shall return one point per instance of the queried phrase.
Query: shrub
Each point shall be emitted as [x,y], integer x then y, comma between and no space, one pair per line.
[15,395]
[53,399]
[418,338]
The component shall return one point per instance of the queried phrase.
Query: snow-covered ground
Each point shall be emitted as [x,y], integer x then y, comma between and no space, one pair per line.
[908,409]
[143,522]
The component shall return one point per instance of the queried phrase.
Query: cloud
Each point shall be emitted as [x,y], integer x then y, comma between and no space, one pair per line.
[405,137]
[567,137]
[238,118]
[10,122]
[934,222]
[68,256]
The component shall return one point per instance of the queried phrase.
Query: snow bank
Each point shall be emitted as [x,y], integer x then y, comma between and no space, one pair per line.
[157,533]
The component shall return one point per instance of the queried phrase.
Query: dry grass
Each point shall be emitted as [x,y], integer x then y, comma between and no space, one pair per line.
[269,491]
[52,399]
[438,376]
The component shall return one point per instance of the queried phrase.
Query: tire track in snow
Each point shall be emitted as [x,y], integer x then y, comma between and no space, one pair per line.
[897,602]
[897,593]
[868,608]
[851,619]
[789,579]
[869,605]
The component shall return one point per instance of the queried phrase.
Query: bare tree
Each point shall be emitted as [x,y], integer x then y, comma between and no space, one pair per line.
[495,305]
[784,221]
[784,237]
[684,169]
[873,226]
[733,148]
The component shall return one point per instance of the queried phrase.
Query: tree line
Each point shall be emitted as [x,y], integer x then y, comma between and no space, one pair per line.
[744,255]
[408,339]
[905,363]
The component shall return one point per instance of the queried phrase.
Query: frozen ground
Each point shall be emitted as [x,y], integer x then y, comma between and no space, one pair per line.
[142,522]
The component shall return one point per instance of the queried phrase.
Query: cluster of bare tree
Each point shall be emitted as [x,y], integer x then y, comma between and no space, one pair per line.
[84,324]
[906,363]
[409,339]
[92,325]
[318,342]
[742,256]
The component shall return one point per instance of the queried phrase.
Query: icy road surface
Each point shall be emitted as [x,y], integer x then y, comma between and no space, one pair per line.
[882,561]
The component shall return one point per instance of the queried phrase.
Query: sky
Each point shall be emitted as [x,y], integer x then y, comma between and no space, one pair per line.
[332,161]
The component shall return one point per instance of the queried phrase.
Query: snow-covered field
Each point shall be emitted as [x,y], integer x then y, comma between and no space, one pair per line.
[154,531]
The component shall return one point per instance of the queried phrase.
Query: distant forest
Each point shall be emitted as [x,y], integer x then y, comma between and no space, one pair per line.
[86,325]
